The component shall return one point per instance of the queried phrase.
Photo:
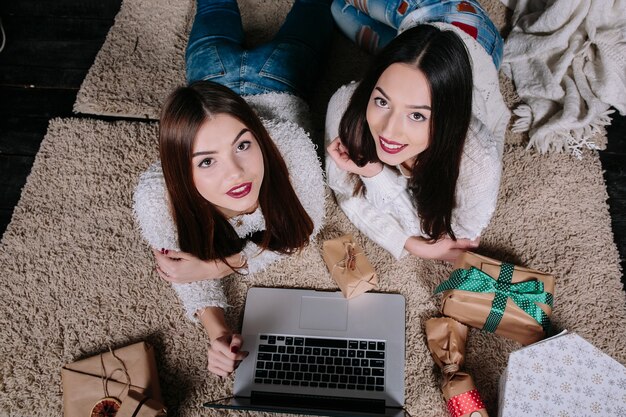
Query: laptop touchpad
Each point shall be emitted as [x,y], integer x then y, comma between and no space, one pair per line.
[319,313]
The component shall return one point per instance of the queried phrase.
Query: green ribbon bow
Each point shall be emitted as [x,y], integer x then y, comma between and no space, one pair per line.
[525,295]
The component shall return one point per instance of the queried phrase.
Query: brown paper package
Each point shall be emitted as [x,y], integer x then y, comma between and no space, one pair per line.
[473,308]
[446,339]
[348,266]
[83,380]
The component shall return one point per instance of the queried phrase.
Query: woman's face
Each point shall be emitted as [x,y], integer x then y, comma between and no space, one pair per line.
[398,114]
[227,165]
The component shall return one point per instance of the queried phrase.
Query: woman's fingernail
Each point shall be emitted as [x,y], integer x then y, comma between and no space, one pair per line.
[162,250]
[234,349]
[167,251]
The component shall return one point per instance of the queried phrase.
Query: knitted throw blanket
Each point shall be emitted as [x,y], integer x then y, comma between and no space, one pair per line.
[567,59]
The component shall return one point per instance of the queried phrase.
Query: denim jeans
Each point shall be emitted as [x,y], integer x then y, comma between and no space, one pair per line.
[288,63]
[372,24]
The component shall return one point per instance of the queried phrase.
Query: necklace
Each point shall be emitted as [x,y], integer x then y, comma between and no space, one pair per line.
[238,220]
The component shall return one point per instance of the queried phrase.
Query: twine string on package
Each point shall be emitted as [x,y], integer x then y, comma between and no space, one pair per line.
[110,404]
[121,382]
[349,266]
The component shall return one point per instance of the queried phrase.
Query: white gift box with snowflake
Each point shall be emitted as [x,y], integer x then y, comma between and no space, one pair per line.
[563,376]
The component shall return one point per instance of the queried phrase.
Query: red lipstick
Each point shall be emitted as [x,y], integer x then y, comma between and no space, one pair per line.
[390,146]
[241,190]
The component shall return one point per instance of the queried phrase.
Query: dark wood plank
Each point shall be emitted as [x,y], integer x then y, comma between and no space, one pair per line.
[50,45]
[105,9]
[42,53]
[619,235]
[613,161]
[50,28]
[614,166]
[619,230]
[42,77]
[617,208]
[5,219]
[616,134]
[21,135]
[16,170]
[35,101]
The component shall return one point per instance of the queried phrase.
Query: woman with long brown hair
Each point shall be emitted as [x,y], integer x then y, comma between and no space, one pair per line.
[238,185]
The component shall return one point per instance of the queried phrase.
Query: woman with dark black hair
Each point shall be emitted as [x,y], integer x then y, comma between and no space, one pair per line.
[415,149]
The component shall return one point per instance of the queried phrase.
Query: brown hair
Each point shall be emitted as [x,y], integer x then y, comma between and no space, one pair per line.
[442,57]
[202,229]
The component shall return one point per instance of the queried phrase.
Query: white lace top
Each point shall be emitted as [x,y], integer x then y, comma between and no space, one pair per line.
[280,114]
[386,213]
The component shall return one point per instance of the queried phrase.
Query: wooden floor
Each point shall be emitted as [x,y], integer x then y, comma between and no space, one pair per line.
[50,46]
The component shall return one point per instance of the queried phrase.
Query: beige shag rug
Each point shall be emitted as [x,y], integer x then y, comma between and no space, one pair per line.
[76,275]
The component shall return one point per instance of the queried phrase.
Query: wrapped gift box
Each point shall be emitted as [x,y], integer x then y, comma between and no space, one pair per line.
[446,338]
[123,380]
[509,300]
[348,266]
[562,376]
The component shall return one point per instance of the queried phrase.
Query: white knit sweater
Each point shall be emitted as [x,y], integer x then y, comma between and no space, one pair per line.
[282,116]
[386,213]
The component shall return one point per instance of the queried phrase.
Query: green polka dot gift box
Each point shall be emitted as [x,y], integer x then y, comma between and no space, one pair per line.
[499,297]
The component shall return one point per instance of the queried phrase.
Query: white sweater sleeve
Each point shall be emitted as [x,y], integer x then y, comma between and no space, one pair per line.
[379,226]
[151,208]
[386,189]
[367,216]
[259,260]
[158,229]
[479,182]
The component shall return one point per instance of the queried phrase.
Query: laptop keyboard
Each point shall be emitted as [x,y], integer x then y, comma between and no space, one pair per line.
[348,364]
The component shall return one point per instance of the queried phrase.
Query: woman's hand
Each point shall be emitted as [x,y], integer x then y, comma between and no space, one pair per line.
[445,249]
[225,354]
[183,268]
[225,349]
[340,155]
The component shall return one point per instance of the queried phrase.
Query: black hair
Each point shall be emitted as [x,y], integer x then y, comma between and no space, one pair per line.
[443,58]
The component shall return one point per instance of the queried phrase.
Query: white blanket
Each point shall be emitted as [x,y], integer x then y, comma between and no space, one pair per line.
[567,60]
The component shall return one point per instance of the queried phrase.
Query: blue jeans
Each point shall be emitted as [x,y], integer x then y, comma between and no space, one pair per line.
[372,24]
[288,63]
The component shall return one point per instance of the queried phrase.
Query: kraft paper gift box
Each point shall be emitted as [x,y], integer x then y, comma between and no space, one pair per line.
[562,376]
[348,266]
[509,300]
[446,339]
[123,379]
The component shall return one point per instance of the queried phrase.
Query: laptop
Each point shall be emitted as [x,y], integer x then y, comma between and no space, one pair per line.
[318,353]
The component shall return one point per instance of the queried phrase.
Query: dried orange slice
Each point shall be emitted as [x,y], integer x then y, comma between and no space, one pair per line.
[106,407]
